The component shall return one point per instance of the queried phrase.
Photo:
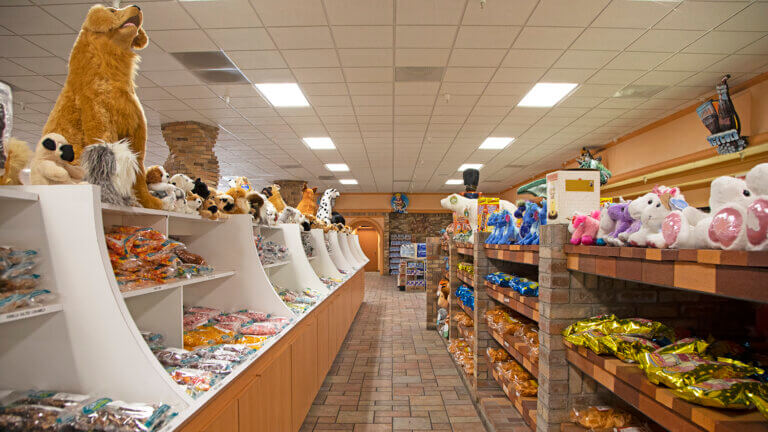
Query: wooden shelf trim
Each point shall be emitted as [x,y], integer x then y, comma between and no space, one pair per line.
[519,350]
[466,309]
[735,274]
[659,403]
[520,254]
[465,251]
[526,406]
[524,305]
[466,278]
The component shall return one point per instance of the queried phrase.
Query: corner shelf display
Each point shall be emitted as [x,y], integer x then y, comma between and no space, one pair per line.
[395,241]
[415,271]
[96,332]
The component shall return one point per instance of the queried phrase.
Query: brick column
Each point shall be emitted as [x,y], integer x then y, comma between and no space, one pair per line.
[191,150]
[433,275]
[483,337]
[291,191]
[453,277]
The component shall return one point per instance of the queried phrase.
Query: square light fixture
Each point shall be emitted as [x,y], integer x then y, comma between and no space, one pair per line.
[336,167]
[283,94]
[348,181]
[496,143]
[546,94]
[454,182]
[319,143]
[467,166]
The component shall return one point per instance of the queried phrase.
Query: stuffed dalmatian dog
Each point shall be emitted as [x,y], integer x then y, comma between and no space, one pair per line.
[326,205]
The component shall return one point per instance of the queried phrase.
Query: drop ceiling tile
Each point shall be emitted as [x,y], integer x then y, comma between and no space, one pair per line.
[606,38]
[268,75]
[414,100]
[247,102]
[360,12]
[740,63]
[231,13]
[165,16]
[290,12]
[43,65]
[468,75]
[633,14]
[566,13]
[258,112]
[302,37]
[584,59]
[568,75]
[750,19]
[324,89]
[32,83]
[661,104]
[547,37]
[498,12]
[759,47]
[622,103]
[9,68]
[206,103]
[459,88]
[499,100]
[15,46]
[166,104]
[373,110]
[683,92]
[319,75]
[518,75]
[614,77]
[664,78]
[153,58]
[665,40]
[723,42]
[419,57]
[376,100]
[699,15]
[234,90]
[190,92]
[450,110]
[255,59]
[581,102]
[690,62]
[172,78]
[368,74]
[25,20]
[363,36]
[486,36]
[429,12]
[184,41]
[425,36]
[531,58]
[307,58]
[476,57]
[413,110]
[365,57]
[416,88]
[637,60]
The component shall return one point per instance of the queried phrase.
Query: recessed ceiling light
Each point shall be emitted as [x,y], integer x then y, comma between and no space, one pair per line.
[454,181]
[348,181]
[319,143]
[337,167]
[496,143]
[546,94]
[467,166]
[283,94]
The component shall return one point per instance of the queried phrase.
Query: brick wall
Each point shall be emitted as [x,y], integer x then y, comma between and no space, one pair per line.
[291,191]
[419,225]
[190,146]
[433,275]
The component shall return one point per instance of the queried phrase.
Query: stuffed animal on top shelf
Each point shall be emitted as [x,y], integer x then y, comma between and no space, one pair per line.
[51,164]
[328,200]
[225,203]
[607,225]
[528,233]
[585,228]
[183,182]
[209,209]
[307,204]
[635,210]
[494,220]
[255,203]
[275,198]
[200,188]
[238,194]
[112,167]
[656,206]
[194,203]
[291,216]
[18,156]
[510,234]
[620,214]
[268,213]
[159,184]
[462,206]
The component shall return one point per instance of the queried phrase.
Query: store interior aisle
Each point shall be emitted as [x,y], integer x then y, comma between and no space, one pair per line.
[392,373]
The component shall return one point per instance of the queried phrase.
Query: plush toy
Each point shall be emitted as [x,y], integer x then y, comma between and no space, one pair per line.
[269,213]
[742,221]
[510,234]
[607,225]
[238,194]
[255,203]
[194,203]
[620,213]
[493,221]
[585,228]
[98,101]
[18,156]
[462,206]
[635,210]
[529,229]
[276,199]
[113,167]
[209,209]
[200,188]
[656,206]
[291,215]
[159,183]
[337,218]
[51,163]
[224,202]
[307,204]
[327,202]
[757,210]
[183,182]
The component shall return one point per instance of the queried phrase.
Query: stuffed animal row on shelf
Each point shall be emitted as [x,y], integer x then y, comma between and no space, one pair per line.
[520,226]
[737,220]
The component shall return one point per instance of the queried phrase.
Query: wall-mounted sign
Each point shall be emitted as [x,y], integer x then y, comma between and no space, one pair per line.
[399,202]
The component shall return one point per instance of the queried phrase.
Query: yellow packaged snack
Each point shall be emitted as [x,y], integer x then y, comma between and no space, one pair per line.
[685,346]
[628,348]
[206,336]
[760,401]
[592,339]
[587,324]
[253,342]
[600,417]
[680,370]
[640,327]
[731,393]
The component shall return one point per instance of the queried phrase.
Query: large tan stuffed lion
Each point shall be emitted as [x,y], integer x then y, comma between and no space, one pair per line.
[98,102]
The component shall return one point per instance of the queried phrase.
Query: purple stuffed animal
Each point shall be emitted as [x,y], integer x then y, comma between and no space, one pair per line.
[620,213]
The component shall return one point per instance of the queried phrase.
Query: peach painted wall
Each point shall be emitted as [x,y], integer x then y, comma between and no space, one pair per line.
[381,202]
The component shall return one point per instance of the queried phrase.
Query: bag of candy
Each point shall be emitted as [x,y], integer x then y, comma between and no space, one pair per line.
[588,324]
[104,414]
[600,417]
[261,329]
[628,348]
[685,346]
[195,380]
[230,353]
[733,393]
[25,417]
[497,355]
[680,370]
[176,357]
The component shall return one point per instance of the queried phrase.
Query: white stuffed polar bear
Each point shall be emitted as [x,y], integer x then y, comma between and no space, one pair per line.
[462,206]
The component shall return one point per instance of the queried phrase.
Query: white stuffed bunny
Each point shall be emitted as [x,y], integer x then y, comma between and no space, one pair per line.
[757,210]
[652,217]
[607,225]
[742,221]
[635,209]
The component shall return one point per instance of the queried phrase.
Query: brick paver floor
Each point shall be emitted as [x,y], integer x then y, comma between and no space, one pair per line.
[392,374]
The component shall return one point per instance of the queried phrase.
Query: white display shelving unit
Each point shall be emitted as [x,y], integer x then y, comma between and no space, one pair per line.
[334,250]
[296,273]
[354,251]
[323,264]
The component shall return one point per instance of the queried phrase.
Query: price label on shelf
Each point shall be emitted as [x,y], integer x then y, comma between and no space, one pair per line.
[24,313]
[506,299]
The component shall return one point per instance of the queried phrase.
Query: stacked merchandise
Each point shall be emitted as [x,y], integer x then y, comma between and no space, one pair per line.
[467,268]
[270,252]
[143,257]
[520,285]
[331,283]
[501,322]
[214,343]
[512,373]
[466,324]
[48,411]
[298,303]
[466,296]
[395,241]
[519,227]
[605,418]
[461,350]
[443,321]
[718,374]
[415,271]
[18,280]
[306,243]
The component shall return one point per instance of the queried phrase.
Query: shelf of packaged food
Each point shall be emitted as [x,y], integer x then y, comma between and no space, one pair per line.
[525,405]
[177,283]
[524,305]
[17,194]
[659,403]
[30,312]
[277,264]
[466,309]
[465,277]
[466,249]
[734,274]
[519,350]
[465,332]
[521,254]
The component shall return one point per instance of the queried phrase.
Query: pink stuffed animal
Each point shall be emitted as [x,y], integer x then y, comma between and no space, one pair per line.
[585,228]
[742,222]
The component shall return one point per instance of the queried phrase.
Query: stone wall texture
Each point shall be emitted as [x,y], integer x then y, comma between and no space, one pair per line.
[190,146]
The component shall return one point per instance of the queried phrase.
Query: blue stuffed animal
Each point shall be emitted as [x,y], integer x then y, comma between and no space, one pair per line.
[531,222]
[493,220]
[510,235]
[500,220]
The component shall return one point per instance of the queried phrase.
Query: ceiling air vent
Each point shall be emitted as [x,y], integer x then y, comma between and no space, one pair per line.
[213,67]
[638,91]
[419,73]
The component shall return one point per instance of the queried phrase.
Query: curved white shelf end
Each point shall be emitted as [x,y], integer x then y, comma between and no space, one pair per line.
[336,253]
[323,264]
[352,251]
[354,245]
[344,246]
[299,274]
